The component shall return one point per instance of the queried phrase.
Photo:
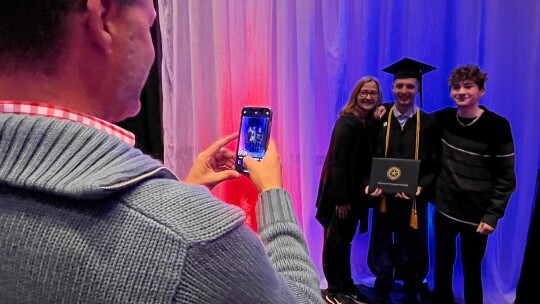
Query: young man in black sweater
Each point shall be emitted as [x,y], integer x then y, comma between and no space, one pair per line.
[475,183]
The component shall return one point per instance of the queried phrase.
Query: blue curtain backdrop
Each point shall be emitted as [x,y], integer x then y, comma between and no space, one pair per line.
[303,57]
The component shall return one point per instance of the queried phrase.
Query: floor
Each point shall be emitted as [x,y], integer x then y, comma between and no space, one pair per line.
[397,296]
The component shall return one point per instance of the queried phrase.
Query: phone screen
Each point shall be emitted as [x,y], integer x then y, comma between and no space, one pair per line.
[255,127]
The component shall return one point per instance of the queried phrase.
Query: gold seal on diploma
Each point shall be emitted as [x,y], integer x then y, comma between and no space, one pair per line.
[393,173]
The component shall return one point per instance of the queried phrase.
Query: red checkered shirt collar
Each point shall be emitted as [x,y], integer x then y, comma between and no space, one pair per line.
[49,110]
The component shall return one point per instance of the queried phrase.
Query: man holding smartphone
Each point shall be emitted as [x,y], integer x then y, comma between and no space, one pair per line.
[89,219]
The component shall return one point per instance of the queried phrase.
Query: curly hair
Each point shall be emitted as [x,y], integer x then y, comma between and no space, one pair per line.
[468,72]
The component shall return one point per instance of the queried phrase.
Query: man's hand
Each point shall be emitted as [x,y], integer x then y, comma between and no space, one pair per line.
[214,165]
[485,229]
[376,193]
[379,112]
[265,174]
[343,211]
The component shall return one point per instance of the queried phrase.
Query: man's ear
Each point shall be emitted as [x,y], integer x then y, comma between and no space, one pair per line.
[98,25]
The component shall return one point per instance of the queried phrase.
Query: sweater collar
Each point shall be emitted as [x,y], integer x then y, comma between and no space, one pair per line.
[65,158]
[54,111]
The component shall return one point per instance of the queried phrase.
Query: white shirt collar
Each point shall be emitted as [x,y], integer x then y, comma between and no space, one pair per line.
[410,113]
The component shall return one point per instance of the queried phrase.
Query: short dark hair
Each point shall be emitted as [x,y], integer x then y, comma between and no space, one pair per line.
[32,32]
[468,72]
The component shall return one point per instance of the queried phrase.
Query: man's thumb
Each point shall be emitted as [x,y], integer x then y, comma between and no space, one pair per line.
[248,160]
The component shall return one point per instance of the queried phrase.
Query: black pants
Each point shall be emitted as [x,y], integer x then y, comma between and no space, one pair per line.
[337,252]
[396,250]
[473,248]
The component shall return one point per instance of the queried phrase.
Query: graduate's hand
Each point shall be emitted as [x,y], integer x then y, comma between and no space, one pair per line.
[406,197]
[485,229]
[376,193]
[379,112]
[214,165]
[343,211]
[402,196]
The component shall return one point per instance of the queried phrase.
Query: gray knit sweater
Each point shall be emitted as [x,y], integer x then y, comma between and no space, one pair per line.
[84,218]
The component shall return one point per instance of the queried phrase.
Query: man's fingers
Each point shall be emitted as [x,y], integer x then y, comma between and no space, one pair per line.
[220,143]
[223,158]
[227,154]
[480,227]
[228,163]
[272,150]
[377,192]
[226,175]
[248,160]
[485,229]
[402,196]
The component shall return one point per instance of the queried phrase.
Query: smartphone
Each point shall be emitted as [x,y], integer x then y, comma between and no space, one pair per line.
[255,125]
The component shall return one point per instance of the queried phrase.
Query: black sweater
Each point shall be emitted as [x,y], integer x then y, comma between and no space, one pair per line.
[477,167]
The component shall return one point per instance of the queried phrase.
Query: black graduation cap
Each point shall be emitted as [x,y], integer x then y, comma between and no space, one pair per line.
[409,68]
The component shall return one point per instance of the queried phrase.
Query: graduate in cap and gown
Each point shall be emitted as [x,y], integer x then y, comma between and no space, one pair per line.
[398,248]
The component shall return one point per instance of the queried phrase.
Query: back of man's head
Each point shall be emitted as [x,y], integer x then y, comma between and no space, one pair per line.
[33,32]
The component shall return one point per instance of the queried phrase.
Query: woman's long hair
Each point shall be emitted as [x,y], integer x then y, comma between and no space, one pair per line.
[352,106]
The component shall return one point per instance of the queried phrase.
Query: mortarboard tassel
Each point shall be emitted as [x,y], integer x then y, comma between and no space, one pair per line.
[414,216]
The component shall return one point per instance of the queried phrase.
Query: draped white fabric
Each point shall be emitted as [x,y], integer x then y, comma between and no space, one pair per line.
[302,59]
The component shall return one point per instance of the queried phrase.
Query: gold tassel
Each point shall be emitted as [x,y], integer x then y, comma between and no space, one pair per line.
[414,216]
[383,204]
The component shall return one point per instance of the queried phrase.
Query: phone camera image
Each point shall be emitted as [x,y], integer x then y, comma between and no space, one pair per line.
[254,135]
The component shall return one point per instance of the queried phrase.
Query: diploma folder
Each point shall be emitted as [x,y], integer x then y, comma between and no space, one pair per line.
[394,175]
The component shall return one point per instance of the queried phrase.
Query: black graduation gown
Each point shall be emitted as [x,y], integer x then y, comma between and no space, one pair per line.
[410,249]
[346,170]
